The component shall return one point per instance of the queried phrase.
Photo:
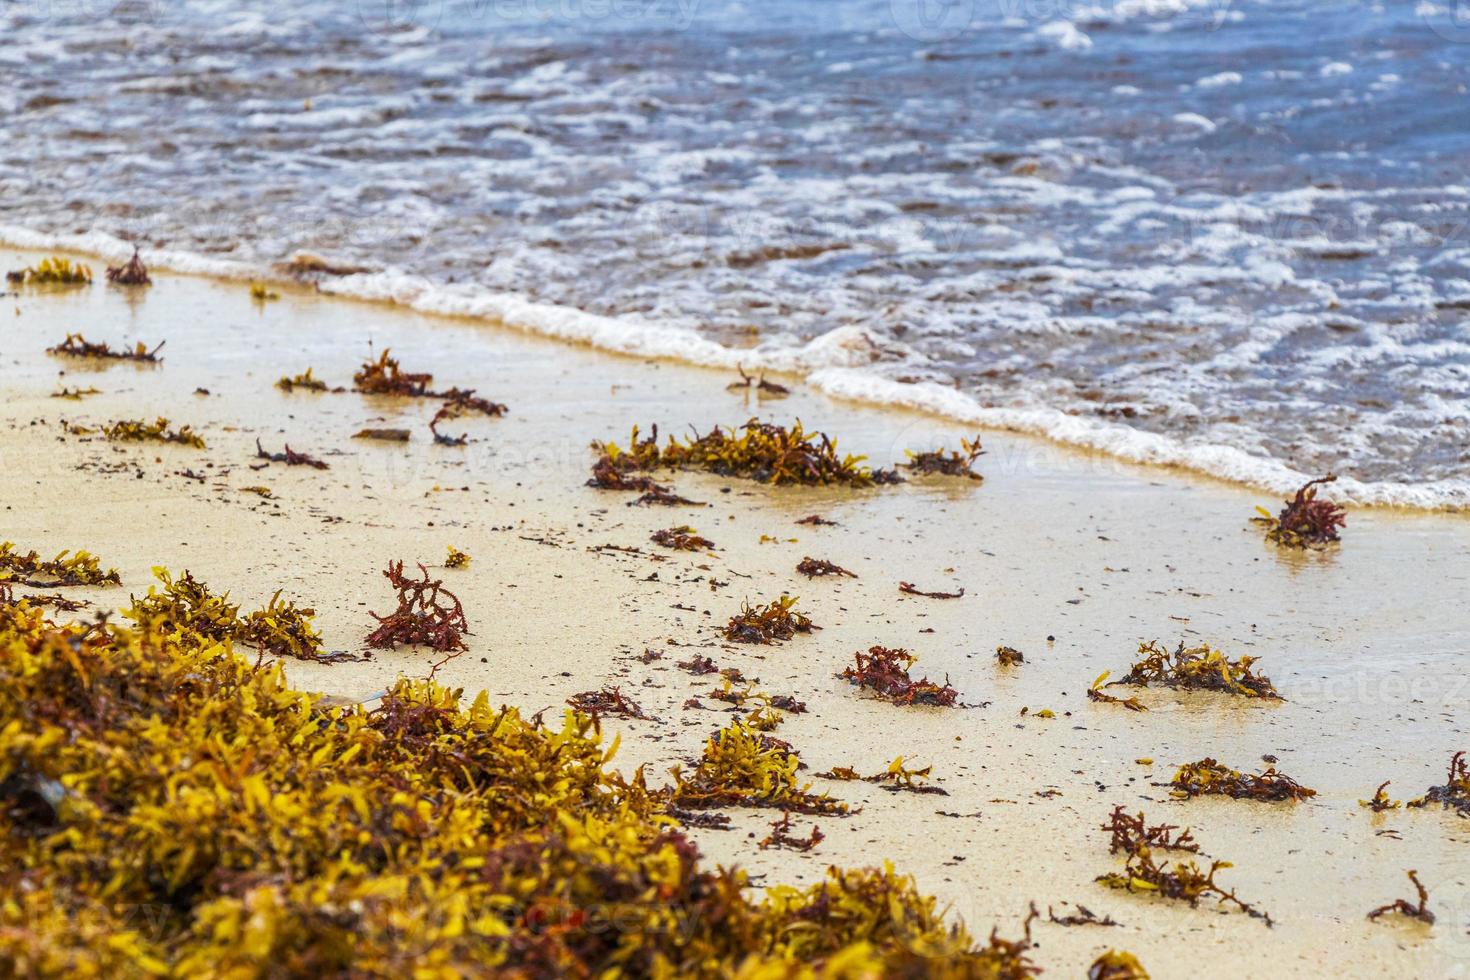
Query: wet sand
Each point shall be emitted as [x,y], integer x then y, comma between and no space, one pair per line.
[1366,642]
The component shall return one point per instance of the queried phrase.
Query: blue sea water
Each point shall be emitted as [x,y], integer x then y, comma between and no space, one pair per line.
[1226,223]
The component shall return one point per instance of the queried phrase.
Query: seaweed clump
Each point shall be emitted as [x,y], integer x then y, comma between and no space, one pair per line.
[884,671]
[131,273]
[951,463]
[306,381]
[138,430]
[608,701]
[1306,520]
[53,271]
[264,830]
[682,538]
[82,568]
[1402,906]
[75,345]
[769,623]
[1182,881]
[742,767]
[457,558]
[290,457]
[1009,656]
[1455,793]
[427,614]
[760,451]
[1209,778]
[813,567]
[1197,668]
[1380,801]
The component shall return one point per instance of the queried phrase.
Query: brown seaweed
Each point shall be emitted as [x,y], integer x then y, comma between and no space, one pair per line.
[1096,693]
[1455,793]
[138,430]
[952,463]
[884,671]
[762,386]
[1197,668]
[1380,801]
[782,837]
[427,614]
[1116,964]
[908,588]
[1009,656]
[456,558]
[1306,520]
[75,345]
[681,538]
[608,701]
[290,457]
[131,273]
[1402,906]
[813,567]
[770,623]
[1209,778]
[306,381]
[53,271]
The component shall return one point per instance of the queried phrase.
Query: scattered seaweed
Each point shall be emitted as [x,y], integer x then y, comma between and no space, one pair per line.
[1455,793]
[817,520]
[383,435]
[1380,801]
[427,614]
[75,345]
[53,271]
[767,624]
[306,381]
[608,701]
[66,569]
[131,273]
[1096,693]
[951,463]
[813,567]
[261,293]
[1009,656]
[762,386]
[1305,521]
[138,430]
[698,664]
[457,558]
[267,830]
[782,837]
[386,377]
[1209,778]
[290,457]
[898,778]
[75,394]
[742,767]
[1129,832]
[1116,964]
[681,538]
[1197,668]
[1183,881]
[884,671]
[1084,916]
[1402,906]
[663,497]
[908,588]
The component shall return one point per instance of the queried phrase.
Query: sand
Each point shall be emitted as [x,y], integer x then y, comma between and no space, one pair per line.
[1073,559]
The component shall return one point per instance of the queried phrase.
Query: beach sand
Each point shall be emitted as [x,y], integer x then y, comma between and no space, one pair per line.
[1365,641]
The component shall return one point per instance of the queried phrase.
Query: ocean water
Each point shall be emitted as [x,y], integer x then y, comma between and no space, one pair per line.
[1228,234]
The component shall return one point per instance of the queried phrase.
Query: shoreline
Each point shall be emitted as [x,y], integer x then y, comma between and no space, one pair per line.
[1367,637]
[831,364]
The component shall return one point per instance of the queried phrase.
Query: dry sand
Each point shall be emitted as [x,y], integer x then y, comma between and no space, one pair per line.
[1366,641]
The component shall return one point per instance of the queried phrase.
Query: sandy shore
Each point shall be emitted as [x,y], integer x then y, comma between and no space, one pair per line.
[1366,642]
